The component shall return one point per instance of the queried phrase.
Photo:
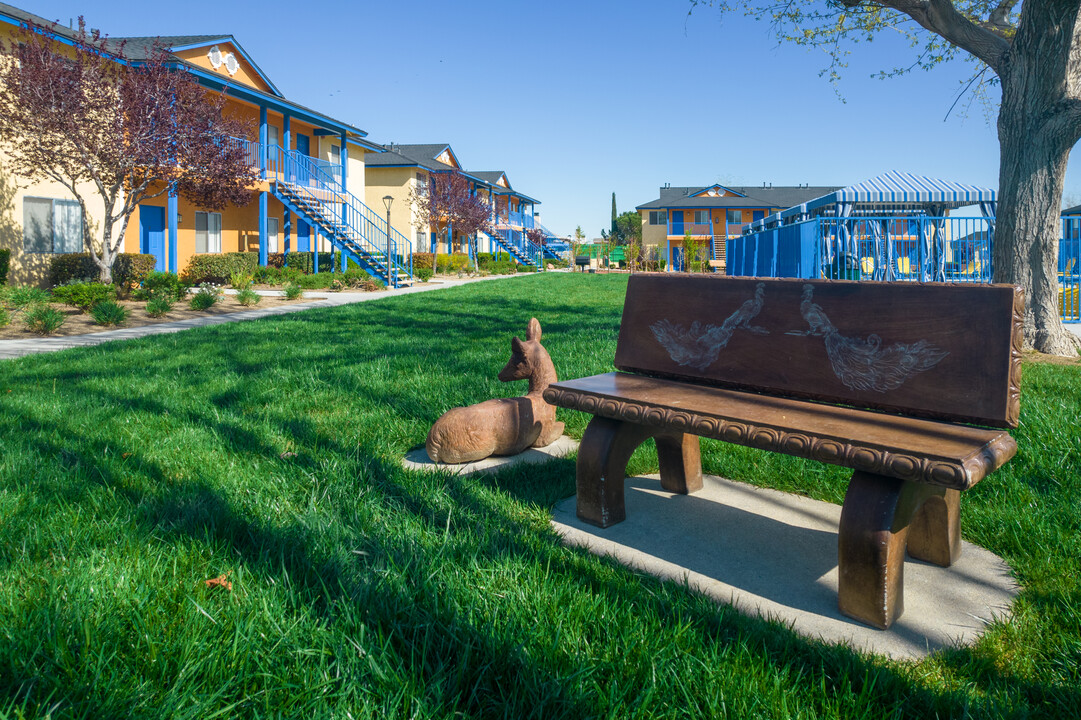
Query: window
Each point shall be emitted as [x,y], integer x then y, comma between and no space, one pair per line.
[336,154]
[735,217]
[658,217]
[207,232]
[52,226]
[272,235]
[272,135]
[701,217]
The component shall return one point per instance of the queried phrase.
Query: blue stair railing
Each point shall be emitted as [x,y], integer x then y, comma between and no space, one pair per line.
[311,188]
[519,246]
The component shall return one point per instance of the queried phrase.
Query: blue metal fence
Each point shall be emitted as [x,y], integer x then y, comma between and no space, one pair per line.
[925,249]
[1069,269]
[915,249]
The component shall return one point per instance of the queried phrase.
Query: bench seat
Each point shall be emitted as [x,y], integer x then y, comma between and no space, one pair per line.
[914,449]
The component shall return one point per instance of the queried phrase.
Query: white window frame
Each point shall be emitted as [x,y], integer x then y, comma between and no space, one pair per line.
[60,217]
[701,217]
[211,236]
[272,235]
[730,221]
[658,217]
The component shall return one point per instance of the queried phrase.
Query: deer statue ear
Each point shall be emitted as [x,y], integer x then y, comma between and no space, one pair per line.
[533,332]
[516,346]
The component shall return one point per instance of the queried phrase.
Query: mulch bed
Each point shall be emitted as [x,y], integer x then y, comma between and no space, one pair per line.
[78,323]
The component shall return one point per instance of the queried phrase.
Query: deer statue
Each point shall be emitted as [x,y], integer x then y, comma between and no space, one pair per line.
[504,426]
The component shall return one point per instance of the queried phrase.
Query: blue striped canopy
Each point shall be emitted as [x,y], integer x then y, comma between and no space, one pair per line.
[898,187]
[893,189]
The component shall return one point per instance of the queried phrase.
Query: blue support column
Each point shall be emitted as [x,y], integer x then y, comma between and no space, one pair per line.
[287,233]
[345,261]
[315,255]
[286,145]
[344,156]
[262,150]
[172,210]
[263,224]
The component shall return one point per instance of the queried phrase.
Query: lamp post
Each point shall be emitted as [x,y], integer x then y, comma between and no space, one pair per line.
[388,201]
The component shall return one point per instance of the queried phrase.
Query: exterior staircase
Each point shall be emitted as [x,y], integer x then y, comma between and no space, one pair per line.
[521,248]
[720,243]
[313,193]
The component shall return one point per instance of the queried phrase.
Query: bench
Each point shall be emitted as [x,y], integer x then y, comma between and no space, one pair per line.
[910,385]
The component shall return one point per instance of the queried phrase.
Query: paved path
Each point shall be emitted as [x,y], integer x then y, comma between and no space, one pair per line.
[19,348]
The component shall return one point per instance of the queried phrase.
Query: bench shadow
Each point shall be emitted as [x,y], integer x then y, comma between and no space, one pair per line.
[772,559]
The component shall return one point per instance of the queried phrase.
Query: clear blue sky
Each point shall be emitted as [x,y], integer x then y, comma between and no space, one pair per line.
[577,100]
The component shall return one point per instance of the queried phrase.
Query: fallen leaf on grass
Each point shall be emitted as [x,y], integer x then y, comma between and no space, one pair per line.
[220,581]
[285,455]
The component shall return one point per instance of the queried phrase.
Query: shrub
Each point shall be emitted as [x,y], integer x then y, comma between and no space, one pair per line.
[109,312]
[451,264]
[424,260]
[206,297]
[240,281]
[159,305]
[84,295]
[219,267]
[292,291]
[21,296]
[370,284]
[276,275]
[5,317]
[5,264]
[43,319]
[353,278]
[301,261]
[129,269]
[161,284]
[248,297]
[424,274]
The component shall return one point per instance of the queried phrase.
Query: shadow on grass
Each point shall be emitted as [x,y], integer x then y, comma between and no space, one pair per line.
[403,582]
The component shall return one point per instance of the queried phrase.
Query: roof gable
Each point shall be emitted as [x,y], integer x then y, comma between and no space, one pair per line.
[717,191]
[221,55]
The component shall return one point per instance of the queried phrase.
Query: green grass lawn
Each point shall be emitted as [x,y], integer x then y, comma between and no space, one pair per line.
[269,452]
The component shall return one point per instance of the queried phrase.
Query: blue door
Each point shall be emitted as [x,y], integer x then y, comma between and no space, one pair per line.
[152,234]
[677,223]
[304,236]
[303,149]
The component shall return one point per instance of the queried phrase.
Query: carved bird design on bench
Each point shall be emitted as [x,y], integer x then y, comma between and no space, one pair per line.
[865,364]
[697,347]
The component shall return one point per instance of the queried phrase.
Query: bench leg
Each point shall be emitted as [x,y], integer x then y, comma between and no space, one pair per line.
[606,447]
[602,467]
[934,535]
[876,526]
[680,459]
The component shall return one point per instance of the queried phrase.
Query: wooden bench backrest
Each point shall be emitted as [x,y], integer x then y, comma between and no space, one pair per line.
[951,352]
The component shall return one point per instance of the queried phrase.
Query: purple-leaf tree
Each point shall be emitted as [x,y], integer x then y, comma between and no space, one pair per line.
[122,132]
[445,202]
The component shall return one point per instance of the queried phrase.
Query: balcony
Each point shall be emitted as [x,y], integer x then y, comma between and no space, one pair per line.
[679,229]
[318,167]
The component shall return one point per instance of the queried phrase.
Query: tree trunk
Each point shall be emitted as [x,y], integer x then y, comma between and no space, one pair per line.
[1034,143]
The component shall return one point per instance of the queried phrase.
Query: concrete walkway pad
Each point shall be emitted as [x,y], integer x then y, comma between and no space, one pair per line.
[774,554]
[418,459]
